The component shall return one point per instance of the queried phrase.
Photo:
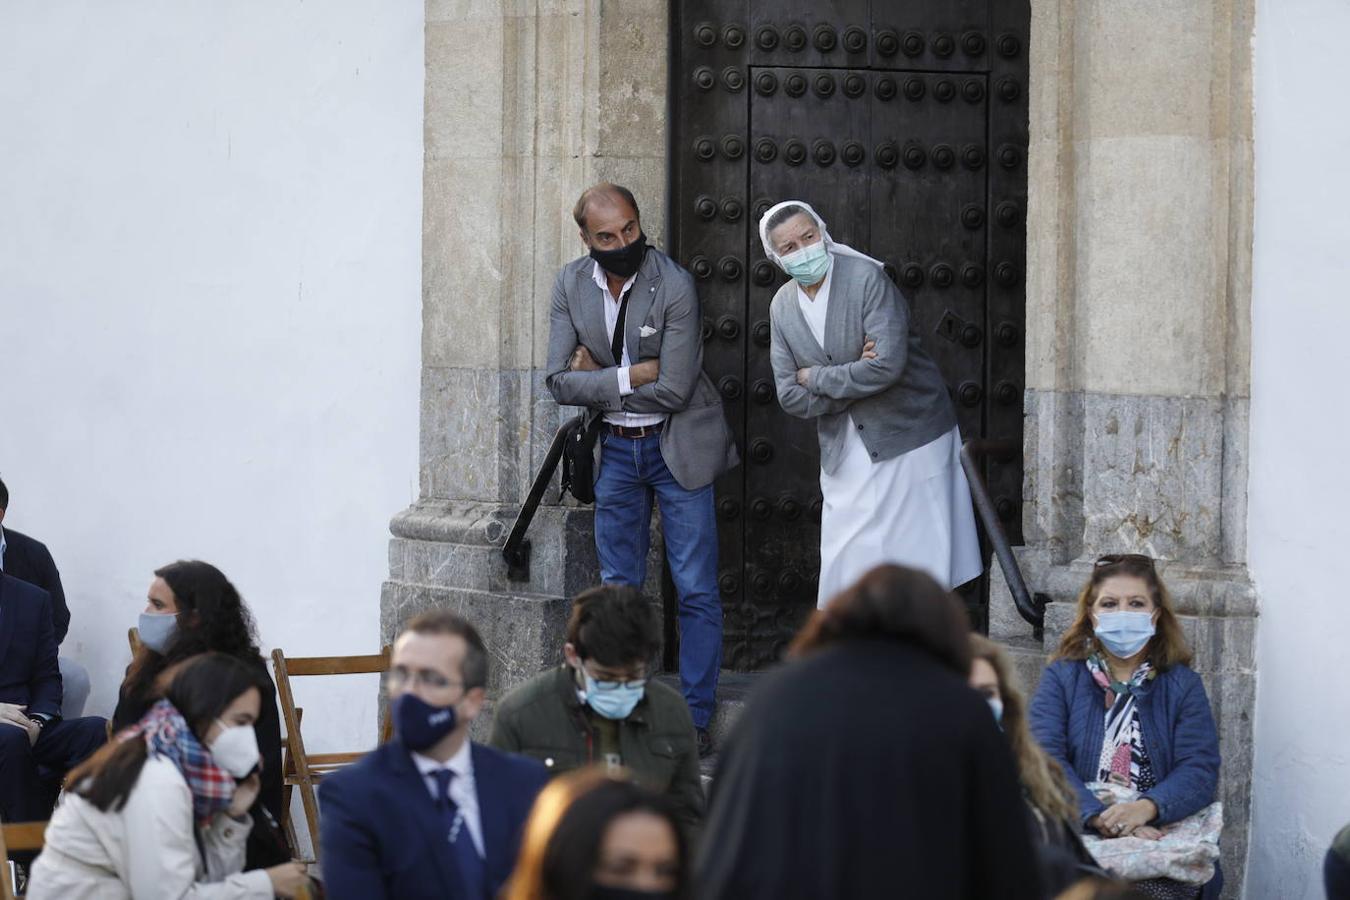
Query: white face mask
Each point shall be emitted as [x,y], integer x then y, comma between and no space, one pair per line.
[235,749]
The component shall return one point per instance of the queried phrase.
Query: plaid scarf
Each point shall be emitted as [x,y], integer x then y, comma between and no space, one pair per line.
[1124,760]
[166,733]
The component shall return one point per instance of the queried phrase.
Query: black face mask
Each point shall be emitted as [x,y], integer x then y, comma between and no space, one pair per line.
[625,262]
[600,892]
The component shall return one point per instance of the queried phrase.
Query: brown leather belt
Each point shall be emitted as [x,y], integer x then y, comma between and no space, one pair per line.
[641,431]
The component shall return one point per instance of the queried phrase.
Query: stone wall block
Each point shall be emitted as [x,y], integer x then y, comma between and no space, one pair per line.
[1149,297]
[1153,475]
[1233,510]
[462,270]
[1052,506]
[464,89]
[1154,49]
[632,103]
[460,430]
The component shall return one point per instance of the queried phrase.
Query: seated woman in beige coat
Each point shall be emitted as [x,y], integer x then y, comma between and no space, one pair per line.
[161,812]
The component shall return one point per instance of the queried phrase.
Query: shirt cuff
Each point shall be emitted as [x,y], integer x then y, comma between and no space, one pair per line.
[625,386]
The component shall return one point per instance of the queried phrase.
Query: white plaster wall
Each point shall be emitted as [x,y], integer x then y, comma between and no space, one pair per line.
[210,310]
[1299,516]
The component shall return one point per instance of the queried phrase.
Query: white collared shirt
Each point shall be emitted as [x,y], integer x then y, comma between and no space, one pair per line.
[462,789]
[626,419]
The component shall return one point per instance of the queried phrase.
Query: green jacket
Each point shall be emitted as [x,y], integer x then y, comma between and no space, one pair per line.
[545,719]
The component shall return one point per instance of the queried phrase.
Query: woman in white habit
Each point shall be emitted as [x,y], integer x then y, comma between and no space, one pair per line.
[844,354]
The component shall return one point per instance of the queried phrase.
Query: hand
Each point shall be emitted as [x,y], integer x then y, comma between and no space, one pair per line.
[869,349]
[12,714]
[1147,832]
[804,377]
[643,373]
[288,878]
[582,361]
[1121,819]
[244,794]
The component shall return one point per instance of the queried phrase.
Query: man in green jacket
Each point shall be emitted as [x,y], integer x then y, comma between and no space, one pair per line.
[600,708]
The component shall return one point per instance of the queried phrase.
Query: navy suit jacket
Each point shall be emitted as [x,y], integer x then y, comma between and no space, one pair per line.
[382,836]
[29,560]
[29,673]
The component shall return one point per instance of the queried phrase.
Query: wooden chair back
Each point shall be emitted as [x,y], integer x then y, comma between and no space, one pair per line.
[18,837]
[134,640]
[304,770]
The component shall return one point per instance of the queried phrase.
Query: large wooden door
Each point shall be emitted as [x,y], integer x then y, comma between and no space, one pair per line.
[905,125]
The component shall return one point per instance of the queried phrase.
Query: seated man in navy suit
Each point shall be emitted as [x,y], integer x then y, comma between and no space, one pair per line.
[29,560]
[430,814]
[32,732]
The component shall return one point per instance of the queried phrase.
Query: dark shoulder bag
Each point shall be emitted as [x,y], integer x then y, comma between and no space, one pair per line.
[578,458]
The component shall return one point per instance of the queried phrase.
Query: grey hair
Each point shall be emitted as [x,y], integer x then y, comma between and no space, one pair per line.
[783,215]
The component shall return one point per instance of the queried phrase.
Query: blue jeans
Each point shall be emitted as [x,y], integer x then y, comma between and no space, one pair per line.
[632,472]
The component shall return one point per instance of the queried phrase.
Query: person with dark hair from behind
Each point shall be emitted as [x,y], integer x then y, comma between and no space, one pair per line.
[1120,705]
[1336,868]
[163,810]
[867,767]
[601,707]
[429,814]
[29,560]
[37,746]
[192,608]
[1052,806]
[595,835]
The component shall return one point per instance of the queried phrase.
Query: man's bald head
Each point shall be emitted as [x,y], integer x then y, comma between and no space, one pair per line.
[606,195]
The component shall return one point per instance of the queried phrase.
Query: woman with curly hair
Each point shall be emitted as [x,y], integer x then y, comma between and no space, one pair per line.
[1119,705]
[192,608]
[1052,806]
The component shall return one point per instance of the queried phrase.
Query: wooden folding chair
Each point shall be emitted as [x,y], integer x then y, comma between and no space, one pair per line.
[20,837]
[303,770]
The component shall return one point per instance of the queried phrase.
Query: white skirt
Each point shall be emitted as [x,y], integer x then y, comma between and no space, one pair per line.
[914,510]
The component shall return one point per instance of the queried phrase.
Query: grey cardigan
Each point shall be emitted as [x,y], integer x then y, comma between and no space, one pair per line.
[663,323]
[898,401]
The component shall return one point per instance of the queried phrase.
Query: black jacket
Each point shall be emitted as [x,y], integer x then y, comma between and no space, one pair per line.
[29,560]
[867,769]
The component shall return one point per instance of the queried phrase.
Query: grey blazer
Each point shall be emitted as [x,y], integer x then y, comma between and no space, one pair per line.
[663,323]
[898,401]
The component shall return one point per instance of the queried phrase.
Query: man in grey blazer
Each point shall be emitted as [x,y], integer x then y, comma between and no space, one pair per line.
[625,341]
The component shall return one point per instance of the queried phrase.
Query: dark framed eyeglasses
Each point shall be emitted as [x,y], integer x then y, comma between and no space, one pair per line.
[1115,559]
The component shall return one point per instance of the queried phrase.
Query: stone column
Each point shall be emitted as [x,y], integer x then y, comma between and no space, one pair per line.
[1138,296]
[526,104]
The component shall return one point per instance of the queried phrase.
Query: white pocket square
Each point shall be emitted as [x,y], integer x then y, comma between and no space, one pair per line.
[647,331]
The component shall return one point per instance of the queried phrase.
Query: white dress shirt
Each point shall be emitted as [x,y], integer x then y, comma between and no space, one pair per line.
[462,789]
[626,419]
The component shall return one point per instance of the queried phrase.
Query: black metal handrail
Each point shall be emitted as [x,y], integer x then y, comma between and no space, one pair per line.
[516,550]
[1030,607]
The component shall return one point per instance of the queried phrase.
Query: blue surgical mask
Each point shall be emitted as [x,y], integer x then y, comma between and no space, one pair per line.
[1124,633]
[419,724]
[157,630]
[996,707]
[613,699]
[807,265]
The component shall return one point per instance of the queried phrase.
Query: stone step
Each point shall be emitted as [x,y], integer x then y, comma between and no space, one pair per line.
[733,689]
[1028,659]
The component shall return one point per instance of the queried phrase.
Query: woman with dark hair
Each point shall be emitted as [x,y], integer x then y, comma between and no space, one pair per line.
[1052,806]
[1120,706]
[192,608]
[593,835]
[162,812]
[866,767]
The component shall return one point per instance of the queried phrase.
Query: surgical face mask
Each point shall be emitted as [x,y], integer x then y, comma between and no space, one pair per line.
[420,724]
[1124,633]
[807,265]
[157,630]
[625,261]
[235,749]
[996,707]
[613,699]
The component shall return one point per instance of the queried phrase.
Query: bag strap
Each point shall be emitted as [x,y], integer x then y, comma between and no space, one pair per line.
[616,342]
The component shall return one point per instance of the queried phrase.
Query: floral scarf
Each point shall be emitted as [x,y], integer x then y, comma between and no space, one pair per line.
[1124,760]
[166,733]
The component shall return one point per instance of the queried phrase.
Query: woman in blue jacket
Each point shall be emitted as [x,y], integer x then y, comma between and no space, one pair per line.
[1120,704]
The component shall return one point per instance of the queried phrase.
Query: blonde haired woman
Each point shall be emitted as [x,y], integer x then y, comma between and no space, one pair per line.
[1119,704]
[1051,804]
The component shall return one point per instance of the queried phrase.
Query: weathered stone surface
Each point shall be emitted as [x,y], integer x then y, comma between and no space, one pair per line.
[1153,475]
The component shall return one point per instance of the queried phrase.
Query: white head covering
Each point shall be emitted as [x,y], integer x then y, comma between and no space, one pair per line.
[831,245]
